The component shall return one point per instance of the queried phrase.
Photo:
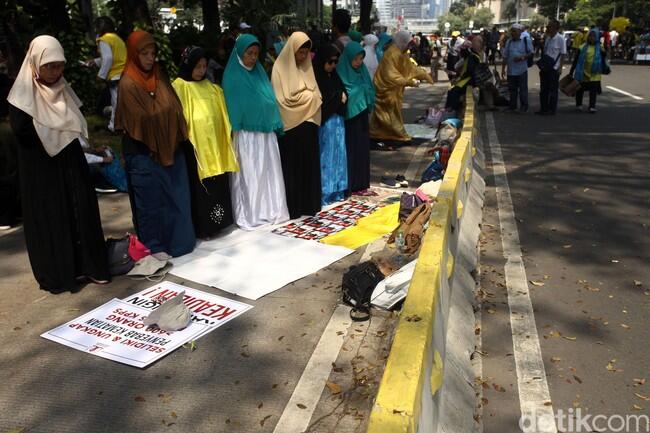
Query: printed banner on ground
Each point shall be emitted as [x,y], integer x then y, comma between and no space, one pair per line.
[207,309]
[115,331]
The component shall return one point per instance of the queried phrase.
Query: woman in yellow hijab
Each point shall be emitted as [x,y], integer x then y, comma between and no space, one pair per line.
[395,72]
[299,100]
[209,154]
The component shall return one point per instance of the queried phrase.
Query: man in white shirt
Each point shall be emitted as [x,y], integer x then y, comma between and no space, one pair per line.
[549,78]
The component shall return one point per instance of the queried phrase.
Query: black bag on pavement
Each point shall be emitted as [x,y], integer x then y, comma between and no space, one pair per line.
[358,284]
[482,75]
[119,260]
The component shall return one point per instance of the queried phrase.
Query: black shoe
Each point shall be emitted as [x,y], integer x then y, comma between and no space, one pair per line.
[389,182]
[401,180]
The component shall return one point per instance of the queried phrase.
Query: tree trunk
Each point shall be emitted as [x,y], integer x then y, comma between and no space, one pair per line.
[364,19]
[211,17]
[86,9]
[135,12]
[333,6]
[56,10]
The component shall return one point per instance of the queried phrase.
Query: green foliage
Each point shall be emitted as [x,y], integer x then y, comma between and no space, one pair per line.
[257,13]
[78,47]
[482,17]
[590,12]
[537,20]
[456,22]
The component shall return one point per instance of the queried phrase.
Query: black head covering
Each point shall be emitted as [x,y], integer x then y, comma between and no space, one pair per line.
[330,85]
[189,58]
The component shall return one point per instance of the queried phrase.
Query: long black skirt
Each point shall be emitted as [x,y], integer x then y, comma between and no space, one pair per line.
[300,156]
[357,144]
[211,205]
[63,230]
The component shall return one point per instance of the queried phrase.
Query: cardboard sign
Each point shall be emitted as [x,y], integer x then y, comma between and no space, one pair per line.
[115,331]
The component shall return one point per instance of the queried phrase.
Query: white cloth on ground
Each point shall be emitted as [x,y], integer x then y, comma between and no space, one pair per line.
[257,190]
[254,263]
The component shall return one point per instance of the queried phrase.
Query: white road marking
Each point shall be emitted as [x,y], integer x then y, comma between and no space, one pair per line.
[534,396]
[623,92]
[312,382]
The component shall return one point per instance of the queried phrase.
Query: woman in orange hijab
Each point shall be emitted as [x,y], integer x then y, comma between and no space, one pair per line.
[151,118]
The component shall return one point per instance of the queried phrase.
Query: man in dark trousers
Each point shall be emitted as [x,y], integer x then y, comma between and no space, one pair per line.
[549,78]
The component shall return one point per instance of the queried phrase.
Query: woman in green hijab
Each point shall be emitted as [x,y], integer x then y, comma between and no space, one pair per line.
[361,98]
[257,190]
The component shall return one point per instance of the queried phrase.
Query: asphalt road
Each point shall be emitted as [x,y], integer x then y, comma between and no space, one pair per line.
[580,188]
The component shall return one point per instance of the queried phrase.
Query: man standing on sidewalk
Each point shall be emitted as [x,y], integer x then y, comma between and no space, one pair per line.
[515,56]
[549,77]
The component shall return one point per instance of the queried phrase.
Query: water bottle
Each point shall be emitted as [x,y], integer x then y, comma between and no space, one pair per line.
[399,241]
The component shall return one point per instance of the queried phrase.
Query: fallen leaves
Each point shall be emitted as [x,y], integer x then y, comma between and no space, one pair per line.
[264,420]
[636,407]
[413,318]
[537,283]
[642,397]
[577,379]
[569,338]
[333,387]
[638,283]
[301,406]
[610,366]
[639,382]
[555,359]
[623,325]
[139,398]
[498,387]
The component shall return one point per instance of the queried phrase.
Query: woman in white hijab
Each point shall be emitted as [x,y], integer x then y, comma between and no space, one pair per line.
[61,220]
[370,59]
[299,100]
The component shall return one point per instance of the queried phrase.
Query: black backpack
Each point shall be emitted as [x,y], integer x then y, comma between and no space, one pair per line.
[358,284]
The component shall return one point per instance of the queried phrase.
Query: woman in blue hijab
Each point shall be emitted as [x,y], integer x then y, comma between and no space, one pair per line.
[361,98]
[257,190]
[587,69]
[384,40]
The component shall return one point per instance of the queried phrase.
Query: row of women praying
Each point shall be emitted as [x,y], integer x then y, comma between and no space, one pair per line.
[198,157]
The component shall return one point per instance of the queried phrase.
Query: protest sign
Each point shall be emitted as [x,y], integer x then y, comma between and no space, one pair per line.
[207,309]
[115,331]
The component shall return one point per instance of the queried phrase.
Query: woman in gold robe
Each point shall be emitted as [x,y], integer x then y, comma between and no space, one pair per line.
[395,72]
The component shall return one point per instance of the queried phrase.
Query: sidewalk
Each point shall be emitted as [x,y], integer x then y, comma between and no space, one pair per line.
[240,377]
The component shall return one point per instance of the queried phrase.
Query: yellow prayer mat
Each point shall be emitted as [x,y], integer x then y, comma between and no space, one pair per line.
[367,229]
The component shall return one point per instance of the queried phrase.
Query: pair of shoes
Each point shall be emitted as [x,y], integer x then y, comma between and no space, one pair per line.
[402,181]
[592,110]
[102,282]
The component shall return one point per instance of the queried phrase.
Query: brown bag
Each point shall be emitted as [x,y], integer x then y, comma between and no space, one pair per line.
[569,86]
[413,228]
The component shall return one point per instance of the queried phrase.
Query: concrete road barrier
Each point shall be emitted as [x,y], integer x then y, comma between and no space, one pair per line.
[410,394]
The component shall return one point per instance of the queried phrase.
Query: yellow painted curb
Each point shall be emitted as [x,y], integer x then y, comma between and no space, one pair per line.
[398,403]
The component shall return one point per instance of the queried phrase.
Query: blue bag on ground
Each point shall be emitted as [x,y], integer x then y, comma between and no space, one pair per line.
[434,171]
[114,174]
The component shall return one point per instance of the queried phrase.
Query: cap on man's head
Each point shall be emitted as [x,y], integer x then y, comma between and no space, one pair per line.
[455,33]
[586,29]
[244,26]
[517,26]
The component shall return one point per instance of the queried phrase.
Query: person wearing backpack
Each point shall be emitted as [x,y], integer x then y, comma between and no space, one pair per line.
[517,56]
[550,66]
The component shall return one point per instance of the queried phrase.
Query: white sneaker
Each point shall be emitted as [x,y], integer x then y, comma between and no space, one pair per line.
[592,111]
